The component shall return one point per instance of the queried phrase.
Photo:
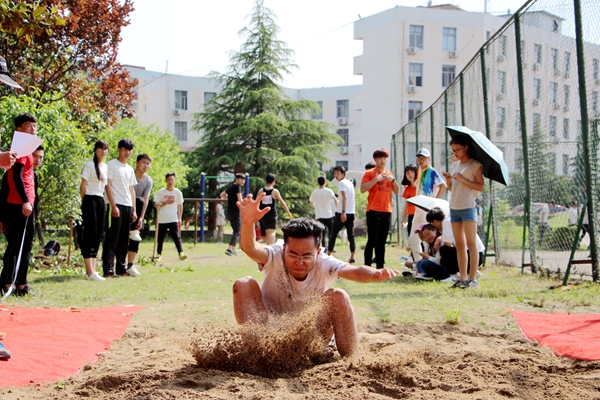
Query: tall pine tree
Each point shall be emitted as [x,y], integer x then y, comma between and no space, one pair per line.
[252,127]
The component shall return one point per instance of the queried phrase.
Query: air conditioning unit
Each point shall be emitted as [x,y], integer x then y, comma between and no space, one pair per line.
[343,121]
[501,58]
[566,108]
[176,111]
[452,54]
[344,149]
[556,106]
[412,50]
[412,89]
[556,72]
[536,66]
[500,96]
[536,102]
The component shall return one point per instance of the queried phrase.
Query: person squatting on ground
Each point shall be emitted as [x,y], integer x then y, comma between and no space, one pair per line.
[268,223]
[429,183]
[380,183]
[409,181]
[296,272]
[169,202]
[142,196]
[18,219]
[465,181]
[344,214]
[233,194]
[432,238]
[121,196]
[94,178]
[321,199]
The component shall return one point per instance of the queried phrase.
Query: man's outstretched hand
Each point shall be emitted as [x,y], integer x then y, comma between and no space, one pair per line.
[250,209]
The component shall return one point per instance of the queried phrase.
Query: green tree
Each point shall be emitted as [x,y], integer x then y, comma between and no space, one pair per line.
[251,126]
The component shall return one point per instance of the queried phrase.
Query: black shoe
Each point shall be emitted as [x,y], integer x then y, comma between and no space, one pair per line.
[109,274]
[25,291]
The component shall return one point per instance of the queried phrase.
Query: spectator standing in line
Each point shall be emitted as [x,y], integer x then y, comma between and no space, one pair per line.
[344,215]
[18,214]
[94,178]
[234,194]
[429,183]
[573,214]
[321,199]
[268,223]
[121,196]
[380,183]
[409,181]
[220,222]
[142,196]
[170,202]
[544,229]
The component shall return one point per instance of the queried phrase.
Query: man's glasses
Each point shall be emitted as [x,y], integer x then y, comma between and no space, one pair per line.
[303,259]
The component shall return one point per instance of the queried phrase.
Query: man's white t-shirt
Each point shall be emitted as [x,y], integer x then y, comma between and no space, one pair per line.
[346,186]
[122,177]
[282,293]
[95,186]
[168,212]
[321,198]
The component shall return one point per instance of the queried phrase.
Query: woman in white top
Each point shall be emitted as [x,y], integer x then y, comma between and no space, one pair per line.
[93,208]
[465,180]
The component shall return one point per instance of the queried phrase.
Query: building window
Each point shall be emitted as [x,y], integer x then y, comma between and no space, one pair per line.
[554,60]
[567,62]
[342,163]
[537,53]
[414,109]
[448,74]
[518,121]
[519,160]
[343,133]
[502,45]
[208,96]
[537,89]
[181,100]
[565,168]
[552,161]
[181,131]
[565,128]
[553,93]
[502,82]
[552,126]
[596,69]
[500,119]
[595,102]
[416,36]
[318,114]
[415,74]
[449,39]
[537,123]
[343,108]
[567,96]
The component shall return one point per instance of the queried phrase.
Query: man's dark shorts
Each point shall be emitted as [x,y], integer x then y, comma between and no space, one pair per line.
[268,223]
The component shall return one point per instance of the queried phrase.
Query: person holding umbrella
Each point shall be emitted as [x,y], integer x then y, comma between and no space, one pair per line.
[465,181]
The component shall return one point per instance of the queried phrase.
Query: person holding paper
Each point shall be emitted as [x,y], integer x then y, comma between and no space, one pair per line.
[7,159]
[19,223]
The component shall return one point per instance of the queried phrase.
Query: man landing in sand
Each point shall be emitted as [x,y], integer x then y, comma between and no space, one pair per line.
[294,274]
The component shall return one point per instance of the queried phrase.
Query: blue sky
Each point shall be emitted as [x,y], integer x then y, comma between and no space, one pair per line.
[195,36]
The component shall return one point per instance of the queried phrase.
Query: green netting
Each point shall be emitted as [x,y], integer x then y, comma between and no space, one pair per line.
[535,105]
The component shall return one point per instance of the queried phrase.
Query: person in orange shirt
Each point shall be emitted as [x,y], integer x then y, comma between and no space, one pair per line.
[411,173]
[380,183]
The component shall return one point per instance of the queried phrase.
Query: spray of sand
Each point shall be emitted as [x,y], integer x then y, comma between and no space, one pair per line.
[285,345]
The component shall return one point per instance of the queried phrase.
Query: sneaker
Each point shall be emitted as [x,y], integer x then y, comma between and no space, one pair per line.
[23,292]
[4,354]
[135,236]
[471,284]
[230,252]
[423,277]
[132,271]
[407,273]
[457,284]
[96,277]
[182,256]
[478,274]
[109,274]
[157,258]
[449,279]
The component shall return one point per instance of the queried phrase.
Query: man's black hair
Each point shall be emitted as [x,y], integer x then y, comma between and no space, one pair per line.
[143,156]
[125,144]
[25,117]
[340,168]
[435,214]
[300,228]
[40,147]
[321,180]
[270,178]
[240,176]
[169,174]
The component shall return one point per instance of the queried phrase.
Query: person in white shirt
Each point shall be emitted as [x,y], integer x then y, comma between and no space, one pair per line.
[121,196]
[321,199]
[545,230]
[93,207]
[294,274]
[344,213]
[221,221]
[169,202]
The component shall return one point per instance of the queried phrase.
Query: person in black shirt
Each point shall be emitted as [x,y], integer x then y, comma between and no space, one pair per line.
[234,194]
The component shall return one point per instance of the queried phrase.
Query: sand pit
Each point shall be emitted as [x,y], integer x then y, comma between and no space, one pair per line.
[428,361]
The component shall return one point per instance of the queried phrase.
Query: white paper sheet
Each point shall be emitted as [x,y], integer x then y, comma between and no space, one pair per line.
[24,144]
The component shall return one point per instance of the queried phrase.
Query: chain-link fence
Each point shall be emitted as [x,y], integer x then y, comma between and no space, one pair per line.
[533,90]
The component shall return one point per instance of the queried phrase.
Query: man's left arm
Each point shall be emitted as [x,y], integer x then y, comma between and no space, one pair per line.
[146,197]
[133,214]
[367,274]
